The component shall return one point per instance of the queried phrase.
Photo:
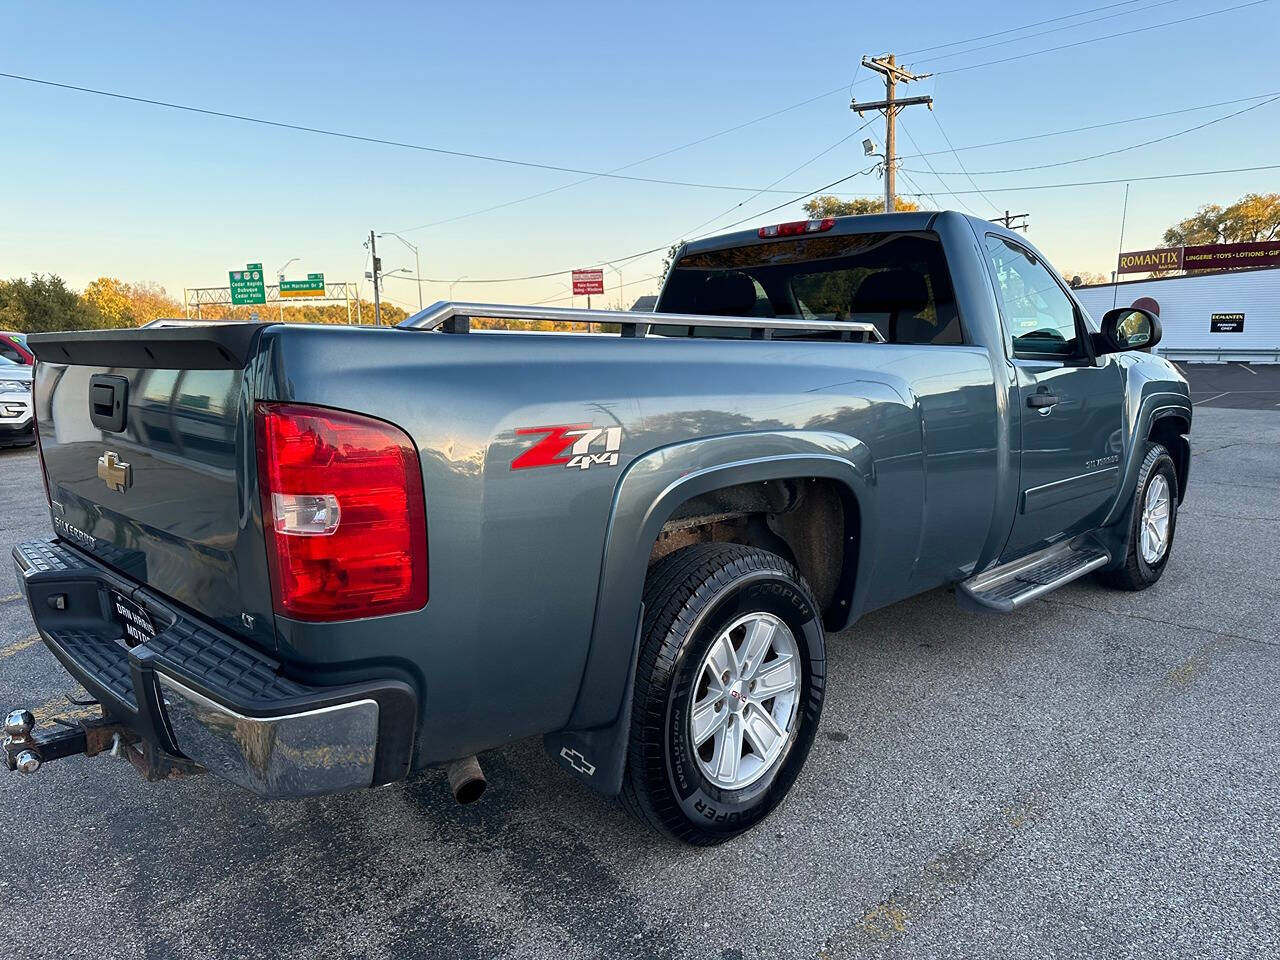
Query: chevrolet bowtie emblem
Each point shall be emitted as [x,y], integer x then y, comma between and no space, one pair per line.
[114,473]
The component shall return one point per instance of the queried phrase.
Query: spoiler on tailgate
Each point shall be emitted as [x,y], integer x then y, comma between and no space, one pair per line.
[214,346]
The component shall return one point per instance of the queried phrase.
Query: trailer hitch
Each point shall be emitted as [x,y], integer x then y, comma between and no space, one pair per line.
[27,749]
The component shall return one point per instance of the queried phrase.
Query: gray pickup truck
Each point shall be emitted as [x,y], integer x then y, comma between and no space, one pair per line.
[309,559]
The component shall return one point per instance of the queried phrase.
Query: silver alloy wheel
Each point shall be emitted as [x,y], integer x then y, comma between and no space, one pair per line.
[1155,520]
[745,699]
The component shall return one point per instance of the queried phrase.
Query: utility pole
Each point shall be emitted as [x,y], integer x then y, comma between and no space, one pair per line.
[417,262]
[377,270]
[891,105]
[1009,218]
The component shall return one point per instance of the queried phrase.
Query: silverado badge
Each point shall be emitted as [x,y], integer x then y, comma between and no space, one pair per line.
[114,472]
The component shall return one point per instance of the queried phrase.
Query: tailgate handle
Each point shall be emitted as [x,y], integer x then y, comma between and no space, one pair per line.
[108,401]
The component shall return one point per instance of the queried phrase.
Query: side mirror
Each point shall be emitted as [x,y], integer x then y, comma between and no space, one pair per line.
[1128,328]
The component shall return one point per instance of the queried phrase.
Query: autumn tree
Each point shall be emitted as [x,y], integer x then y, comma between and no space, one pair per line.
[1253,217]
[829,206]
[130,304]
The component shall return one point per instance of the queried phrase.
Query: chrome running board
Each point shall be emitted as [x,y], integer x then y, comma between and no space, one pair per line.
[1012,585]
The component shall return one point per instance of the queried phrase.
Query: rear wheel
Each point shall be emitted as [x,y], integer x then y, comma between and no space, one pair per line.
[1152,526]
[728,691]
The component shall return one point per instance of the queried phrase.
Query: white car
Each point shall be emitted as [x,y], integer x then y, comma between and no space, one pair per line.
[17,414]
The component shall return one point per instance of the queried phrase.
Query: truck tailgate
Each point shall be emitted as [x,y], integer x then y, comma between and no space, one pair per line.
[147,445]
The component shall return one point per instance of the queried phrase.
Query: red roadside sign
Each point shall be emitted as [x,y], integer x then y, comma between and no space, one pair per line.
[588,281]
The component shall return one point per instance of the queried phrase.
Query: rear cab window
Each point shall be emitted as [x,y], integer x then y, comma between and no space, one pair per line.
[897,281]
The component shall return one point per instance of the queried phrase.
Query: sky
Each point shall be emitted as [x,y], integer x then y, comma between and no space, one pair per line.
[93,186]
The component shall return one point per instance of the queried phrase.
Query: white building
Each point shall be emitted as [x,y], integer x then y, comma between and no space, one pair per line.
[1201,312]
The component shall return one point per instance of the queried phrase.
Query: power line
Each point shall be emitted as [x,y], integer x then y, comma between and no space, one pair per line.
[918,193]
[1109,36]
[1025,26]
[789,173]
[855,81]
[628,166]
[1045,33]
[561,298]
[662,247]
[921,193]
[402,144]
[1095,183]
[1110,153]
[945,189]
[960,162]
[1094,126]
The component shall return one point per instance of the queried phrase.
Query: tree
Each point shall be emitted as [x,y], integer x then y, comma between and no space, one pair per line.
[669,260]
[108,296]
[1086,277]
[1251,218]
[130,304]
[829,206]
[45,303]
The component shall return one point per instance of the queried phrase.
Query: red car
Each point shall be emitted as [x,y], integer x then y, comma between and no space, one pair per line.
[13,346]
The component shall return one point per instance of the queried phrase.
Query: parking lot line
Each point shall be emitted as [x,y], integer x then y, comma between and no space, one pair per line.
[1214,397]
[18,646]
[1246,369]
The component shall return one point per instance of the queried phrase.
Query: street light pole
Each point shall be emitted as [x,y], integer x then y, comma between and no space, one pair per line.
[280,280]
[455,282]
[417,265]
[619,273]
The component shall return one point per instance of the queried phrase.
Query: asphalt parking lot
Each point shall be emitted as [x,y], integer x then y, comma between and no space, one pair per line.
[1236,386]
[1094,776]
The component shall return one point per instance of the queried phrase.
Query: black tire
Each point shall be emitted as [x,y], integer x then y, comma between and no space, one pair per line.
[1135,573]
[690,596]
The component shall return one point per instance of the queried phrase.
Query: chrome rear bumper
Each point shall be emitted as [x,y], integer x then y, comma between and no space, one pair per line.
[328,750]
[196,692]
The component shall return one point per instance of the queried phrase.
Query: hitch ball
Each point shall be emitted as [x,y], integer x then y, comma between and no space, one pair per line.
[27,762]
[19,723]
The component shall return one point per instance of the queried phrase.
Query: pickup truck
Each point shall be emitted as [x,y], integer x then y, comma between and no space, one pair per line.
[310,559]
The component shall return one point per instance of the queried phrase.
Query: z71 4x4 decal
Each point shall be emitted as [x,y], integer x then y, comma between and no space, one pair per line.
[577,446]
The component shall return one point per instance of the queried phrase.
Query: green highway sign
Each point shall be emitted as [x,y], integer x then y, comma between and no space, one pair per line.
[248,286]
[313,286]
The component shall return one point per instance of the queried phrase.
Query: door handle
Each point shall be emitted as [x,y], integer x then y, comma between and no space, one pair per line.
[1042,402]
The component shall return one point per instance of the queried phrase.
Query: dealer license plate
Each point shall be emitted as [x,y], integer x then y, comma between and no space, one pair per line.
[133,619]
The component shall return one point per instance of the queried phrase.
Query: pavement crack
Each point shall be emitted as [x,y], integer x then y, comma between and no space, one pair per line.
[1164,623]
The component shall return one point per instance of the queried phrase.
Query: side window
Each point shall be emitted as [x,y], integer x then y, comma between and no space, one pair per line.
[1041,317]
[10,353]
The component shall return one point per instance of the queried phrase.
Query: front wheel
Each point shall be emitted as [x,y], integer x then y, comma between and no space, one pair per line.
[1152,526]
[728,691]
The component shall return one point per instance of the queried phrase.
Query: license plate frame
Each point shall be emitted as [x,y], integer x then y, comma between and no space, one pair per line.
[132,618]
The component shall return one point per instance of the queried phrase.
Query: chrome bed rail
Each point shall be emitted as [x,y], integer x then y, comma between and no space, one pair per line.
[448,316]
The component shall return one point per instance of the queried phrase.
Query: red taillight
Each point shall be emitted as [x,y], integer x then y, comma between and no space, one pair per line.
[795,228]
[343,512]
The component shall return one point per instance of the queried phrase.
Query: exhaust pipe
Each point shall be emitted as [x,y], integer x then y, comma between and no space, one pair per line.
[466,779]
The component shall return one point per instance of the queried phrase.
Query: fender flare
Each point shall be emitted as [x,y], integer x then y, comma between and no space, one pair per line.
[1153,406]
[593,743]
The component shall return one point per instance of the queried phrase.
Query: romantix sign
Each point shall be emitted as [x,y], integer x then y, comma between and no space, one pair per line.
[1205,256]
[1221,256]
[1226,323]
[1150,261]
